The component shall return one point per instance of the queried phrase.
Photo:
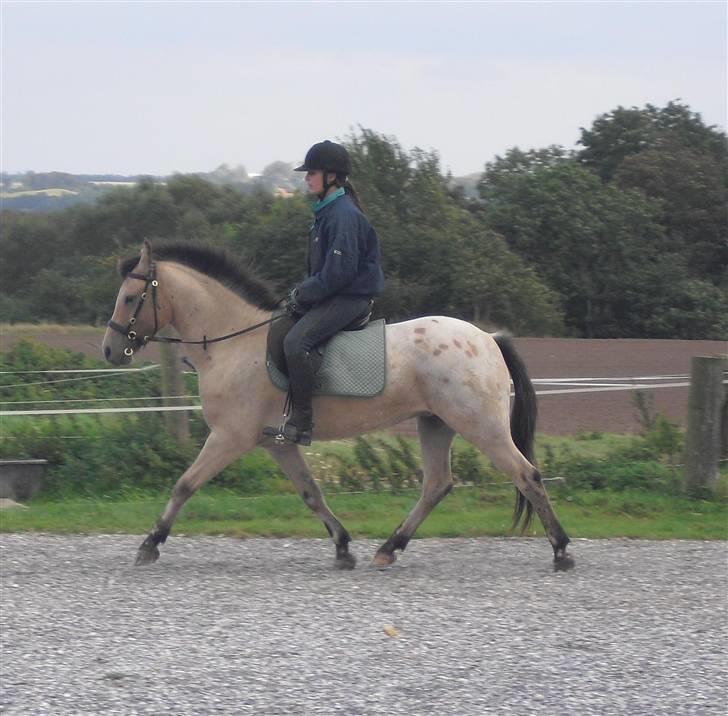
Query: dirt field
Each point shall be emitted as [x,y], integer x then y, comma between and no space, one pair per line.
[545,358]
[609,411]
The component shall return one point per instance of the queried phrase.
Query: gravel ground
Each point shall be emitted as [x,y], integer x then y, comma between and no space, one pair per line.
[483,626]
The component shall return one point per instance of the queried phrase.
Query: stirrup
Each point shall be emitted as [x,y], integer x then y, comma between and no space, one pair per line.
[275,433]
[296,434]
[288,433]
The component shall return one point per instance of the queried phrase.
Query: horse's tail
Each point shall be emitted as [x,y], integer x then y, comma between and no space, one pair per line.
[523,419]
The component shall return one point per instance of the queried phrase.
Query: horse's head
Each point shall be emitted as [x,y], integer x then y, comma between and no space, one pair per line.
[137,313]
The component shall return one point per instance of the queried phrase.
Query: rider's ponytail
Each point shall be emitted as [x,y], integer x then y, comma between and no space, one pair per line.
[342,180]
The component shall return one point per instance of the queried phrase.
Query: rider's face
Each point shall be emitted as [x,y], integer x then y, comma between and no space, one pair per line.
[315,181]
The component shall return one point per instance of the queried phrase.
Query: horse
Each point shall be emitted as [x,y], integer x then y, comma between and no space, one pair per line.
[450,375]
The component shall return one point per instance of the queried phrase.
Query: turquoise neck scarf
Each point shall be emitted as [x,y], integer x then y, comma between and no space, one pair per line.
[328,199]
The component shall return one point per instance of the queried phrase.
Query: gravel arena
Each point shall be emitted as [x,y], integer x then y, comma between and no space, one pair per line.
[459,627]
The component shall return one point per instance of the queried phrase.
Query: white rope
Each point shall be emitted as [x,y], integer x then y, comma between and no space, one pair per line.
[98,411]
[72,380]
[621,379]
[96,400]
[638,386]
[80,370]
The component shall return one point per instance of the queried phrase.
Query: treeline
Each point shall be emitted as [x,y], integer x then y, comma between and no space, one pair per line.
[625,237]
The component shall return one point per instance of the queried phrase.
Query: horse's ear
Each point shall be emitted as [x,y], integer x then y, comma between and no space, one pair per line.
[146,255]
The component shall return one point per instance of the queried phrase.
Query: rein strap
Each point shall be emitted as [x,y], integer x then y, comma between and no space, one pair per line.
[205,340]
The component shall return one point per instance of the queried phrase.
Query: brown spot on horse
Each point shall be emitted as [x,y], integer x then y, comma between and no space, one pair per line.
[473,348]
[436,352]
[420,330]
[457,343]
[443,346]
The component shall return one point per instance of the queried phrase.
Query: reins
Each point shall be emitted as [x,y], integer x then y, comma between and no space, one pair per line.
[205,340]
[132,336]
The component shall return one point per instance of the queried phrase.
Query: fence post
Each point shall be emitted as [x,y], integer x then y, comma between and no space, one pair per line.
[705,408]
[173,385]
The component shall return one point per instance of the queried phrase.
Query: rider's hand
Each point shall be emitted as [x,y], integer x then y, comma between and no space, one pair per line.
[292,305]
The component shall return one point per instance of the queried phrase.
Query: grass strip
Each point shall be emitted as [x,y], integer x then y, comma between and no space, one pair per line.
[467,512]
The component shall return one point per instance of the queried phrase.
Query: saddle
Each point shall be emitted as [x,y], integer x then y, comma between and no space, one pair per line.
[352,362]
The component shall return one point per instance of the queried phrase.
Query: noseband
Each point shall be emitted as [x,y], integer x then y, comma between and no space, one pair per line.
[129,331]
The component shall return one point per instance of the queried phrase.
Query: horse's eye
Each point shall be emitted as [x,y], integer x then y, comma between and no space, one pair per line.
[129,299]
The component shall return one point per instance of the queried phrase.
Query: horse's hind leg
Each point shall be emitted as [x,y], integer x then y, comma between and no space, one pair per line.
[291,461]
[218,451]
[435,440]
[527,480]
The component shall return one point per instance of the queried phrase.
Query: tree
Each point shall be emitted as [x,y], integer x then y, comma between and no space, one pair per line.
[693,194]
[437,256]
[587,240]
[624,132]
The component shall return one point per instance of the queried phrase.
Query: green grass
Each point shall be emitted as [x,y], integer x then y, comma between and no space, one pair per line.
[467,512]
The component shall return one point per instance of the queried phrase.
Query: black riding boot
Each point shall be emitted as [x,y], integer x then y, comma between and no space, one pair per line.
[302,375]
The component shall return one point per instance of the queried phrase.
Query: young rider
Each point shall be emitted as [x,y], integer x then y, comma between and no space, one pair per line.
[343,275]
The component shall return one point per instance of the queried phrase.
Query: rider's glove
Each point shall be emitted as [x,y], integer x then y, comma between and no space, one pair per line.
[292,305]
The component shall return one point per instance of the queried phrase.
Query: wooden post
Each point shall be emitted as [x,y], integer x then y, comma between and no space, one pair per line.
[173,385]
[703,440]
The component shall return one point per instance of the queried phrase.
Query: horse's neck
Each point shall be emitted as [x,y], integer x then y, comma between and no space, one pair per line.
[203,307]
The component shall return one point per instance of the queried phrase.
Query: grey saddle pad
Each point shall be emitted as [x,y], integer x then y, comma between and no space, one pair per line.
[353,364]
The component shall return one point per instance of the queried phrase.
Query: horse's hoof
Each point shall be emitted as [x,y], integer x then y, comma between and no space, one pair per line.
[146,555]
[345,561]
[563,562]
[383,559]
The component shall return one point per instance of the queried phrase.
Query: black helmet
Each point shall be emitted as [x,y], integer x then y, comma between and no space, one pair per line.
[328,156]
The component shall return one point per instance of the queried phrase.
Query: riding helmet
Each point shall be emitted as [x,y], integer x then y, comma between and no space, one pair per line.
[328,156]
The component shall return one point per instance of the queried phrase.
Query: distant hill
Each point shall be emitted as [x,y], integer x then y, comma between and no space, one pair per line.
[51,191]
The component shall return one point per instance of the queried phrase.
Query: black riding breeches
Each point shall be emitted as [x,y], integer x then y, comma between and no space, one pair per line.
[322,322]
[292,343]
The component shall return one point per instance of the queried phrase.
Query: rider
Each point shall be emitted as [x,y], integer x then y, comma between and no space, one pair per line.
[343,275]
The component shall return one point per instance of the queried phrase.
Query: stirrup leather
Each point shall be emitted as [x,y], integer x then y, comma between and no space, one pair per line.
[287,431]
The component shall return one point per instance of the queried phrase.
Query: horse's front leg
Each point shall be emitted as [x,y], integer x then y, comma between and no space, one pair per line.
[289,457]
[219,450]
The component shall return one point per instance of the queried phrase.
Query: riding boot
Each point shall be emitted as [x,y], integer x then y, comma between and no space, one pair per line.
[302,375]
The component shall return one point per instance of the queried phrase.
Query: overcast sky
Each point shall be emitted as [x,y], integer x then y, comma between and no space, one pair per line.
[156,87]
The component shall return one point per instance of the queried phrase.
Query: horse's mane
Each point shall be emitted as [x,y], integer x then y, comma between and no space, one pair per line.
[213,262]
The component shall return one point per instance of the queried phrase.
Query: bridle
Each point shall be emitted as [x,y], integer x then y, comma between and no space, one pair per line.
[129,331]
[137,342]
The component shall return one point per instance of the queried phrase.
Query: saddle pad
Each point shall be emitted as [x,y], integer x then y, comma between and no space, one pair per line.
[353,364]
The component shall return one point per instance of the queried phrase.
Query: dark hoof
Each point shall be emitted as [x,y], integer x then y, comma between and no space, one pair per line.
[563,562]
[345,561]
[146,555]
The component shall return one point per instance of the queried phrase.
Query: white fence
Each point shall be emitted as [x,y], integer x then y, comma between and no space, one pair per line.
[546,386]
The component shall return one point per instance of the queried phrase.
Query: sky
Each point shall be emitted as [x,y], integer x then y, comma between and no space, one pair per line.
[158,87]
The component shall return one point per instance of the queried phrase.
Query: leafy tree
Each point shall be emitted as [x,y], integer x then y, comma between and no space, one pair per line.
[693,195]
[589,241]
[623,132]
[673,157]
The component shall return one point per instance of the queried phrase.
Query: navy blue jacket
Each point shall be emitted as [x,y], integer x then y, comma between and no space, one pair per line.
[343,254]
